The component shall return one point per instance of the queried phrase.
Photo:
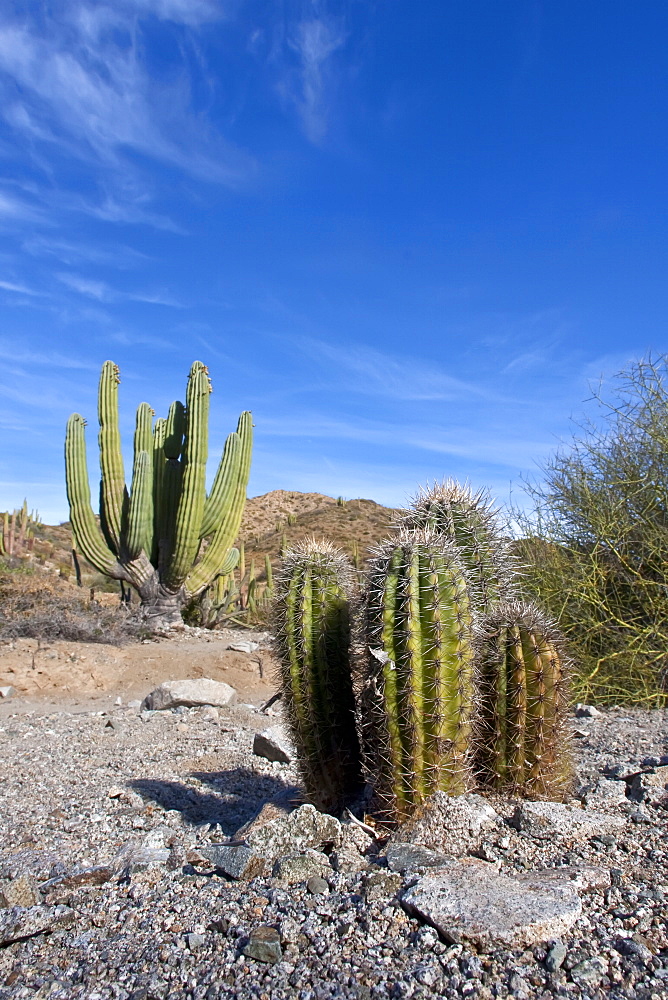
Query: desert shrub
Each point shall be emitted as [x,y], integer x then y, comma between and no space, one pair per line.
[34,605]
[595,546]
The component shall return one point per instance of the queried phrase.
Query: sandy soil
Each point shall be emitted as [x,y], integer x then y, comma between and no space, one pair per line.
[73,674]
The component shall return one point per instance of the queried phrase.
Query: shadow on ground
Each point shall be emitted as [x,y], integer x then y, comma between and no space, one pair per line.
[237,796]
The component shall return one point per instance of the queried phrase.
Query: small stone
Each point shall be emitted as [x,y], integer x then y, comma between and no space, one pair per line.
[381,885]
[472,901]
[74,880]
[452,824]
[590,971]
[317,886]
[352,854]
[546,820]
[7,692]
[243,647]
[264,945]
[583,711]
[201,691]
[21,891]
[19,922]
[239,861]
[195,941]
[634,949]
[299,867]
[412,857]
[273,744]
[135,858]
[115,792]
[621,772]
[555,956]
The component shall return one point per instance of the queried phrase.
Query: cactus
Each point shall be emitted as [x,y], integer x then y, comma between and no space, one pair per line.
[417,699]
[312,614]
[522,744]
[470,521]
[165,537]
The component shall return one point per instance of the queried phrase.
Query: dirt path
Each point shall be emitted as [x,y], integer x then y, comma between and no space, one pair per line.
[73,674]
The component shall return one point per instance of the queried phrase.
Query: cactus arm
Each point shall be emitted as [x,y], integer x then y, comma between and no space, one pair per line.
[202,574]
[457,667]
[415,674]
[87,535]
[392,705]
[491,752]
[175,430]
[112,485]
[224,486]
[191,502]
[535,655]
[139,532]
[268,574]
[159,461]
[516,706]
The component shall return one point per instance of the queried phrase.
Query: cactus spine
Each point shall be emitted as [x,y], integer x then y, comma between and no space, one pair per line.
[312,615]
[470,521]
[152,536]
[417,702]
[522,745]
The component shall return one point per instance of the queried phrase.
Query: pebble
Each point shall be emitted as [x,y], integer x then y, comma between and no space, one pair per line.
[273,744]
[317,886]
[555,956]
[264,945]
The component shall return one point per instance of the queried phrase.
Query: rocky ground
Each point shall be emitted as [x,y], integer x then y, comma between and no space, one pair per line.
[119,846]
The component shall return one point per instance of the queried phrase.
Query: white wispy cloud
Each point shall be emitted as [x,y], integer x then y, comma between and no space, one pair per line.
[308,79]
[71,253]
[103,292]
[398,377]
[12,286]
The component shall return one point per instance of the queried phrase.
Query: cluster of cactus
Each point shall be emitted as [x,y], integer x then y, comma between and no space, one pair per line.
[457,682]
[164,536]
[17,536]
[239,596]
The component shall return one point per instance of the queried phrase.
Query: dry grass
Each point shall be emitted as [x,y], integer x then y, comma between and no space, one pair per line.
[36,605]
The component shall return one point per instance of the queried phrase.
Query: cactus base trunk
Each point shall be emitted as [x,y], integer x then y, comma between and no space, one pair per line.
[160,605]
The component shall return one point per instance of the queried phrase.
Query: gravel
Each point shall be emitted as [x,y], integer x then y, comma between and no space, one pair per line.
[110,825]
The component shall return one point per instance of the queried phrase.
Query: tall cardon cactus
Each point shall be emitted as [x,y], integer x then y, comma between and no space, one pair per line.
[417,700]
[312,620]
[470,521]
[522,743]
[165,536]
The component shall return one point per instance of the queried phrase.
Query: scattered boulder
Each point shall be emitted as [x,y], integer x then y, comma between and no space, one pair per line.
[243,646]
[292,833]
[352,854]
[7,692]
[21,891]
[299,867]
[238,861]
[202,691]
[471,901]
[547,820]
[583,711]
[273,744]
[412,857]
[19,922]
[264,945]
[651,786]
[602,793]
[451,824]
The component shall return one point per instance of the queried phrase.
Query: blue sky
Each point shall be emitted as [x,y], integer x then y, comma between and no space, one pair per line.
[406,235]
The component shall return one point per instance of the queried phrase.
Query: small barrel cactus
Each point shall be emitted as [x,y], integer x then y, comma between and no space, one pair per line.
[416,703]
[522,744]
[312,619]
[470,521]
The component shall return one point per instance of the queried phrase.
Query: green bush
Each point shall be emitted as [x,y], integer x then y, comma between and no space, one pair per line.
[595,546]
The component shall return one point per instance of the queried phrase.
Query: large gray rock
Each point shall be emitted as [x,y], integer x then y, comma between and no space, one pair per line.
[21,922]
[299,867]
[549,820]
[651,786]
[274,745]
[450,824]
[201,691]
[239,861]
[292,833]
[602,793]
[585,878]
[471,901]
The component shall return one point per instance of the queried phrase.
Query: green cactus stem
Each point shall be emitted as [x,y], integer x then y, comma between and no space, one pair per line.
[165,537]
[469,520]
[312,618]
[522,740]
[417,697]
